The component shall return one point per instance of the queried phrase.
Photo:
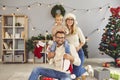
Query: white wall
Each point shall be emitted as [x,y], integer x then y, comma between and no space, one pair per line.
[40,17]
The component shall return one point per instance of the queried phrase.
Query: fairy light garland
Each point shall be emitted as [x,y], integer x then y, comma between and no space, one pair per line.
[52,4]
[4,7]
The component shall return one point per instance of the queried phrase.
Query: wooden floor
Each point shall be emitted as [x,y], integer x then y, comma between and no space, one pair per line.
[23,70]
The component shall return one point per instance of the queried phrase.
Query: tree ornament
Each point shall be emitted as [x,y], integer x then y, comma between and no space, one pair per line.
[118,33]
[114,45]
[117,62]
[57,9]
[111,47]
[106,64]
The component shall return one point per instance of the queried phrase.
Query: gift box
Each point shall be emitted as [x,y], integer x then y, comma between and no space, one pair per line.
[102,74]
[115,75]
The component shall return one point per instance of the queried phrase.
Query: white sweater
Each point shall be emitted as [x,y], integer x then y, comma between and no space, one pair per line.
[74,38]
[58,59]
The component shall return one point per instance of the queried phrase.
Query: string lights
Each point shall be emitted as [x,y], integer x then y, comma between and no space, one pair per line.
[3,7]
[29,7]
[100,8]
[106,6]
[33,28]
[17,8]
[49,5]
[39,4]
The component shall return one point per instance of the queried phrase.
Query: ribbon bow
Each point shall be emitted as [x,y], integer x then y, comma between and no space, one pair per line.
[115,12]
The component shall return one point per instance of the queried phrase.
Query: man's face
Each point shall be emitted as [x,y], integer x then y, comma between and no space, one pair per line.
[60,38]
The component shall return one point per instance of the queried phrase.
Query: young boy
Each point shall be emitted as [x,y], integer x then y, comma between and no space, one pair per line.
[59,27]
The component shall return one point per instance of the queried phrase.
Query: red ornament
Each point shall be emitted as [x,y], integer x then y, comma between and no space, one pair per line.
[106,64]
[117,62]
[114,44]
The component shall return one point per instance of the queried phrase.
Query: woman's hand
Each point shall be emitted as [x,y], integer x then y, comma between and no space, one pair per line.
[78,48]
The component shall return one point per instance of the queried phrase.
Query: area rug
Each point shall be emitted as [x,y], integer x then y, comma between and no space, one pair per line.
[20,76]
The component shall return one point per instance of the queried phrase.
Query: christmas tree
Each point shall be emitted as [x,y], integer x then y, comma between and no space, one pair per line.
[85,47]
[110,42]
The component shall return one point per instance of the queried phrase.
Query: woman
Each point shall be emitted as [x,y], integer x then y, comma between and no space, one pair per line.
[76,38]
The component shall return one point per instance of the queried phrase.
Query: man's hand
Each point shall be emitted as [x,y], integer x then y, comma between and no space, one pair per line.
[50,55]
[69,57]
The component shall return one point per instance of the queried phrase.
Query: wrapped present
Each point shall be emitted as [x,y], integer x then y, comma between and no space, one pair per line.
[102,74]
[115,75]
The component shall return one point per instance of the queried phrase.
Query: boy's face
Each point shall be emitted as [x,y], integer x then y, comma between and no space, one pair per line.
[59,20]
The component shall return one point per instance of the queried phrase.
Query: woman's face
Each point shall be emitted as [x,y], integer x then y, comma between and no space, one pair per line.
[69,21]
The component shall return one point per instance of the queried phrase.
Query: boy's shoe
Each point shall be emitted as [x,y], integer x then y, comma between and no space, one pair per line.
[66,64]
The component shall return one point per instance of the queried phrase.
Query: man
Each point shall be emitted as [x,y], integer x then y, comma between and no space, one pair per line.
[57,72]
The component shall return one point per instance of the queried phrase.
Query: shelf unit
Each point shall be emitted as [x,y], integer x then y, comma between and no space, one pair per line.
[14,36]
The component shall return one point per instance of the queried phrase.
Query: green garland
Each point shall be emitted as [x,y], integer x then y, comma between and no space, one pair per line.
[56,8]
[30,42]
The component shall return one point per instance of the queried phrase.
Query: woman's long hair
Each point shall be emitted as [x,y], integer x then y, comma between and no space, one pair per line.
[73,27]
